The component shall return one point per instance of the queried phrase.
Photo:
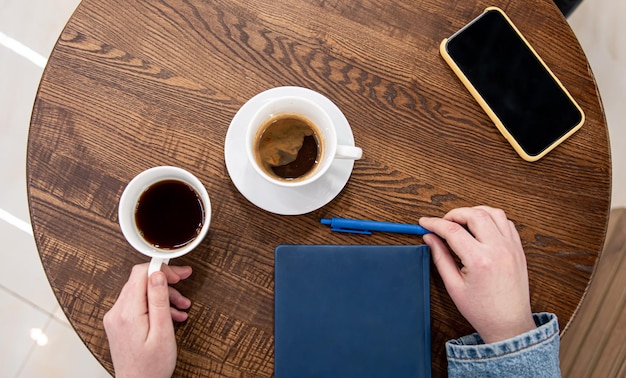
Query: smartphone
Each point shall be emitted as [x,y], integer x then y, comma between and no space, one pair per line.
[520,94]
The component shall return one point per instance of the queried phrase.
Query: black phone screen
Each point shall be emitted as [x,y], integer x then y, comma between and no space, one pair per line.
[526,98]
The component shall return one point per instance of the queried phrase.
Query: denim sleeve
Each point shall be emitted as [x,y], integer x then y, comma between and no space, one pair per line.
[532,354]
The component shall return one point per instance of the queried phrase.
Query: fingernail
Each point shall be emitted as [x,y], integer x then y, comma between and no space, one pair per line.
[158,279]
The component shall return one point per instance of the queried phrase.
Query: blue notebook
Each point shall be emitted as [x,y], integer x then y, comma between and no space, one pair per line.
[352,311]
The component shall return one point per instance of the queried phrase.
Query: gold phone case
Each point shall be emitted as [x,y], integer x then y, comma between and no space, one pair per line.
[491,113]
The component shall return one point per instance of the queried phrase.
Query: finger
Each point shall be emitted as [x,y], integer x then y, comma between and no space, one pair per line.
[177,315]
[175,274]
[515,236]
[445,264]
[499,218]
[132,298]
[178,300]
[514,233]
[159,314]
[478,222]
[461,241]
[507,227]
[182,271]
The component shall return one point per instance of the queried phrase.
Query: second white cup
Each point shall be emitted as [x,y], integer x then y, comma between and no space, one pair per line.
[293,110]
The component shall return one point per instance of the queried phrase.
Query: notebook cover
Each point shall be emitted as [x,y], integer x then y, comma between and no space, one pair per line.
[352,311]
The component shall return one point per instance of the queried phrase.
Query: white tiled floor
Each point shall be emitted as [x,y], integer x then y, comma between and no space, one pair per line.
[28,309]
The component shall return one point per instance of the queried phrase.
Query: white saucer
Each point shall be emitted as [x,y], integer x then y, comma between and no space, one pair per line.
[277,199]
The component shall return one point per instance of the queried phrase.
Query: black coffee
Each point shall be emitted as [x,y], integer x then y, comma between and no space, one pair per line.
[169,214]
[288,147]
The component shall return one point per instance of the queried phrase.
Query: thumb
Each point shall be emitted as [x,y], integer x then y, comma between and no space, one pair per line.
[445,264]
[159,314]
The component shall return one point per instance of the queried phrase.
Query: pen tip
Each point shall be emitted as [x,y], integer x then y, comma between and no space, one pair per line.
[325,221]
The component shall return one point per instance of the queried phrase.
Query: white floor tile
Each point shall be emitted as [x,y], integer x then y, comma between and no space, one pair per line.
[64,355]
[600,28]
[60,316]
[21,271]
[35,23]
[20,80]
[18,318]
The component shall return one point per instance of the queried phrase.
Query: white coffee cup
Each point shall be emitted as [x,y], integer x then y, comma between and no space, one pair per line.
[308,109]
[128,206]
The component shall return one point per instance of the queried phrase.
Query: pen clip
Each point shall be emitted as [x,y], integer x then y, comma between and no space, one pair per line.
[351,231]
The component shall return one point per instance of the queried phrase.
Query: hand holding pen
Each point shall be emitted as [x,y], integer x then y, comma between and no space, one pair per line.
[491,288]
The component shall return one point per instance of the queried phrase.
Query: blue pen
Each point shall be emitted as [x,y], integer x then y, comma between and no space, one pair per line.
[366,227]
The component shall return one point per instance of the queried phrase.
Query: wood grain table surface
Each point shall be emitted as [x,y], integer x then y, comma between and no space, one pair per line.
[136,84]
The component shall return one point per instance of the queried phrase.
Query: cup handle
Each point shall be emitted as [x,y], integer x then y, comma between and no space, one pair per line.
[155,264]
[348,152]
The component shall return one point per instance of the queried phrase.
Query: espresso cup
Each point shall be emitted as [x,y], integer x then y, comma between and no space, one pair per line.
[164,212]
[291,141]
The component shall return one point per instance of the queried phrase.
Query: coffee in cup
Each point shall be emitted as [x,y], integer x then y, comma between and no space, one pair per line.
[169,214]
[292,141]
[164,213]
[288,147]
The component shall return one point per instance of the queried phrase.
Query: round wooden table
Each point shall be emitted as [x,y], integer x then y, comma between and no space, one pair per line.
[136,84]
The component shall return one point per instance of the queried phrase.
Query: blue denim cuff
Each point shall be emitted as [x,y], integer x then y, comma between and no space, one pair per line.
[532,354]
